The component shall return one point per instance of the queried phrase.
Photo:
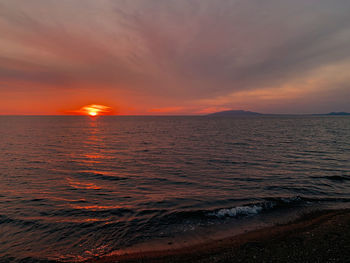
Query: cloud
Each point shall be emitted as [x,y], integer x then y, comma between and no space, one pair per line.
[178,53]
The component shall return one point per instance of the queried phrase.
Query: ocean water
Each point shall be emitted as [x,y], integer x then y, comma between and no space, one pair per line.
[77,187]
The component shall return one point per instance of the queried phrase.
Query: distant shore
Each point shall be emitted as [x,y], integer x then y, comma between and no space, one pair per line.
[322,236]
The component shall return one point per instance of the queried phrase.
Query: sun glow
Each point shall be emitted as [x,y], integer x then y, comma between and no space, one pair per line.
[95,110]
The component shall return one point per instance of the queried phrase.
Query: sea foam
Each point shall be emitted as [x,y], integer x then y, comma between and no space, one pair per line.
[239,210]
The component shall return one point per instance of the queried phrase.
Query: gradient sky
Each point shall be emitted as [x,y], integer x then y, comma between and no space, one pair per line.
[174,56]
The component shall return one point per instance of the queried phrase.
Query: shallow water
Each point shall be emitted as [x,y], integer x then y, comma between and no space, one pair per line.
[76,187]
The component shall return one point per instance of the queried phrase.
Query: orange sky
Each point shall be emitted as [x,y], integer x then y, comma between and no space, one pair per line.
[174,57]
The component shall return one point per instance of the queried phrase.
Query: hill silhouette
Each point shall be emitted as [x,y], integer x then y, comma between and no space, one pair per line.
[235,113]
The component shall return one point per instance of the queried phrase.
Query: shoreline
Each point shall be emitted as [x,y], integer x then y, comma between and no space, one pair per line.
[319,236]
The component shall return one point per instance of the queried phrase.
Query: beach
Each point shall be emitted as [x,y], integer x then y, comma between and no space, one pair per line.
[321,236]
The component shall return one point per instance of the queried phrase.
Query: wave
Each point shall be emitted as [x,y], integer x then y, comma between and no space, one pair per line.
[271,203]
[334,177]
[239,210]
[99,175]
[253,209]
[128,226]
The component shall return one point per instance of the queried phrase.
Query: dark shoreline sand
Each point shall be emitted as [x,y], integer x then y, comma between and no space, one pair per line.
[322,236]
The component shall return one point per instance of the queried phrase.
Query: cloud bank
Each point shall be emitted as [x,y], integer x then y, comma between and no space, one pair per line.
[175,56]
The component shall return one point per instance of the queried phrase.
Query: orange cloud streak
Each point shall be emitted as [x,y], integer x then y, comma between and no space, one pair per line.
[93,110]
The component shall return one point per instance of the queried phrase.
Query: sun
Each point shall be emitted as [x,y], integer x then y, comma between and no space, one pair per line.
[92,113]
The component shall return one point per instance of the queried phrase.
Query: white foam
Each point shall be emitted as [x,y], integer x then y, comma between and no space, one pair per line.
[291,199]
[239,210]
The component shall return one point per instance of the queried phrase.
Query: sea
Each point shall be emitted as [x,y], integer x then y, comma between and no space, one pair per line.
[74,188]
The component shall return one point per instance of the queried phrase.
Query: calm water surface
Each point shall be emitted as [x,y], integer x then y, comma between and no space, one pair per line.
[77,187]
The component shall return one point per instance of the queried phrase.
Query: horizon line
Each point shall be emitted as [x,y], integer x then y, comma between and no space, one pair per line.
[163,115]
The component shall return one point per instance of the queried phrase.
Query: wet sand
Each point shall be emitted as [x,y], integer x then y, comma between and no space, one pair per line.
[322,236]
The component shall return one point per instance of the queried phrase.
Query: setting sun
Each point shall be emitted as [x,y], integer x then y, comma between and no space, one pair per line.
[94,110]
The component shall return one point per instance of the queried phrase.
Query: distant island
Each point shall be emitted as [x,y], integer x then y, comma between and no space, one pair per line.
[235,113]
[228,113]
[337,113]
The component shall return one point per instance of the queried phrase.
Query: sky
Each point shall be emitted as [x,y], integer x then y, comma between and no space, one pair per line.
[142,57]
